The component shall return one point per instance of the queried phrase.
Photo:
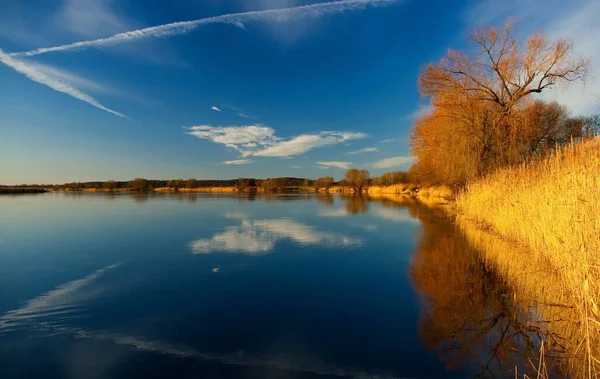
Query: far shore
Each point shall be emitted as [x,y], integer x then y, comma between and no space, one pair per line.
[436,194]
[21,190]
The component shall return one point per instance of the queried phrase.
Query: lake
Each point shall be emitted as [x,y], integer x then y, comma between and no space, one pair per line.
[217,286]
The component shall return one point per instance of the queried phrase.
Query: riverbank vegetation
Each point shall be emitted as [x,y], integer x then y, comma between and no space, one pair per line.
[525,171]
[359,180]
[551,208]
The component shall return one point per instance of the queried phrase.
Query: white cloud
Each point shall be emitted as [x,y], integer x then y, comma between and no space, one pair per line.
[305,142]
[343,165]
[365,150]
[260,237]
[260,140]
[393,162]
[388,140]
[312,11]
[49,77]
[238,162]
[215,108]
[296,167]
[237,137]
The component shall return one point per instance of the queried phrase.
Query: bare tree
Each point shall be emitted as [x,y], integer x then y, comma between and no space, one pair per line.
[482,99]
[503,72]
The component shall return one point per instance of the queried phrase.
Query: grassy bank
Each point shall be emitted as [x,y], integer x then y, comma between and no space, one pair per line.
[428,195]
[198,189]
[550,208]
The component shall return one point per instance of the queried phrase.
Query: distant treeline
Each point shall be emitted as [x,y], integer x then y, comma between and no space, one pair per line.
[269,184]
[18,190]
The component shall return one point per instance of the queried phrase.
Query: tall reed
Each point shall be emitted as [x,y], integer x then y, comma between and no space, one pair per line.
[551,207]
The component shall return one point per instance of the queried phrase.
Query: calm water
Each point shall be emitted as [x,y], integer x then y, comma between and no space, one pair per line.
[206,286]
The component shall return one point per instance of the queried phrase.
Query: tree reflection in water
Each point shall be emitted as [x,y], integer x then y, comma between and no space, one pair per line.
[325,198]
[468,315]
[355,204]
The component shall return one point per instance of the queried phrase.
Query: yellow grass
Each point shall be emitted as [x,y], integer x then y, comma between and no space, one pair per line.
[199,189]
[551,208]
[436,194]
[395,189]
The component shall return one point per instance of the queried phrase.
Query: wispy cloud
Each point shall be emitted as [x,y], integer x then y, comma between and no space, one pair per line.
[365,150]
[238,19]
[237,111]
[260,140]
[388,140]
[238,162]
[393,162]
[67,77]
[90,18]
[240,138]
[240,112]
[51,80]
[342,165]
[306,142]
[295,167]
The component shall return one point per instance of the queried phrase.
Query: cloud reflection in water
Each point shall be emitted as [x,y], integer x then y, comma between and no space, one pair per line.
[260,237]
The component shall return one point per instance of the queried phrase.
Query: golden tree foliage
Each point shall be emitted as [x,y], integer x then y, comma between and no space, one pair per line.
[484,117]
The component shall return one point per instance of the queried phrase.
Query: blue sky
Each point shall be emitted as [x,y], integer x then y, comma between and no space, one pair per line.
[308,90]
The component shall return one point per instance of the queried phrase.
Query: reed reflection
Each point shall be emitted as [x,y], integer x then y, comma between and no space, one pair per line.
[469,315]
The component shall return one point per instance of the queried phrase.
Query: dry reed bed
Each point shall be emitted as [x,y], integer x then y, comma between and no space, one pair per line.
[551,208]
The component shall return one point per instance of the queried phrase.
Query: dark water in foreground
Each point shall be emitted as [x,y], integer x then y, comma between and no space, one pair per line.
[207,286]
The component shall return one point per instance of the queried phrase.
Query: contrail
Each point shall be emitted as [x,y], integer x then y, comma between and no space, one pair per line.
[237,19]
[56,84]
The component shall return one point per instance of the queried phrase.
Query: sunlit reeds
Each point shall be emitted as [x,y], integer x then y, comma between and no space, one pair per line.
[551,208]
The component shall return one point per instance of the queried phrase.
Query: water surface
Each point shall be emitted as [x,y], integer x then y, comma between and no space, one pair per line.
[216,286]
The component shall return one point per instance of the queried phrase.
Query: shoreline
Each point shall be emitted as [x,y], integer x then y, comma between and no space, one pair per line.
[435,194]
